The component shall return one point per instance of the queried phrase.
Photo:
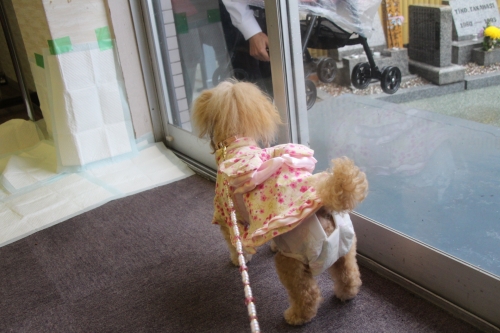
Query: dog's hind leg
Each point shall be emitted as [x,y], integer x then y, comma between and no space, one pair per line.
[345,275]
[303,291]
[273,246]
[232,250]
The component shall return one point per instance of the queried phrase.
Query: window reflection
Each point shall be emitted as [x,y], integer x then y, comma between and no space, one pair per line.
[431,151]
[433,177]
[242,23]
[202,47]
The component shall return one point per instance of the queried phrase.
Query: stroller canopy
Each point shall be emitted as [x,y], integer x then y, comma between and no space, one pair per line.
[353,16]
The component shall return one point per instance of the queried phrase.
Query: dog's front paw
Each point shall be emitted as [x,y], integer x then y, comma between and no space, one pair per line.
[235,261]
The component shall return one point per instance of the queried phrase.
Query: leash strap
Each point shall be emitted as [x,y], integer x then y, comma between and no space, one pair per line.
[252,311]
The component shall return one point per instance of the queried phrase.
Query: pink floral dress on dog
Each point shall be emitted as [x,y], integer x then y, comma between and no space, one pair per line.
[273,189]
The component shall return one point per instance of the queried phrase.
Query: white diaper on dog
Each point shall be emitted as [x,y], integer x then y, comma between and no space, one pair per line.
[309,243]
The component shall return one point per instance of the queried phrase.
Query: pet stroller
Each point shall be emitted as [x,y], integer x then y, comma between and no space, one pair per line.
[331,24]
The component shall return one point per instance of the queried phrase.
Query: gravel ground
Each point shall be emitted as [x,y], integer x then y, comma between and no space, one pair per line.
[336,90]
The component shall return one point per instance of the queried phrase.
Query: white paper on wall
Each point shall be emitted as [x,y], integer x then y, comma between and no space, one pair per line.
[62,21]
[90,115]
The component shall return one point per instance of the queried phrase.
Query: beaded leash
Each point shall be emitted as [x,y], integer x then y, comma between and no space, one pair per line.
[252,311]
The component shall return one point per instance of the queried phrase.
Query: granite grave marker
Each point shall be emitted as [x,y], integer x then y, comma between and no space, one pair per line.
[430,35]
[470,17]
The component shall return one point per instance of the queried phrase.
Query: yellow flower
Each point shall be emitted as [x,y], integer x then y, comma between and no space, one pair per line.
[492,32]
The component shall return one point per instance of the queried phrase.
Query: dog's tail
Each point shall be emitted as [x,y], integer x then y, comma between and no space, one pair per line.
[344,188]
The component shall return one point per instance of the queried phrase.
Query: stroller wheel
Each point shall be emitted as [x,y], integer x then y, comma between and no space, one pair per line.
[391,80]
[311,94]
[327,69]
[239,74]
[361,75]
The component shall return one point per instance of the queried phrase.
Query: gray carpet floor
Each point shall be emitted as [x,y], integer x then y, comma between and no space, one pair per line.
[152,262]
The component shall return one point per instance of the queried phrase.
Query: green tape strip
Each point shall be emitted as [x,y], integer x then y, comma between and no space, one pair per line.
[60,45]
[213,15]
[39,60]
[104,38]
[181,23]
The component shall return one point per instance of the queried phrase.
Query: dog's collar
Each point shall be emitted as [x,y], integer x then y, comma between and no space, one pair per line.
[226,142]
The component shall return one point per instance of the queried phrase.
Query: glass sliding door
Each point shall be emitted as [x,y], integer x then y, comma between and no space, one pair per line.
[194,46]
[432,213]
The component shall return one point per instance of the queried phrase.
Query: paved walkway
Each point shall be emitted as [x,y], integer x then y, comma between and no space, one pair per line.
[479,105]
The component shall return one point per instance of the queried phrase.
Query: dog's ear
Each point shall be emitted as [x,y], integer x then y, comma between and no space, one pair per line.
[202,115]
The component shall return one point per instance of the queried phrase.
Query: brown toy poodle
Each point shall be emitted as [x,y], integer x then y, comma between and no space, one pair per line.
[277,198]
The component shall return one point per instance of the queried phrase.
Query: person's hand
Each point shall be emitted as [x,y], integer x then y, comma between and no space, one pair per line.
[259,46]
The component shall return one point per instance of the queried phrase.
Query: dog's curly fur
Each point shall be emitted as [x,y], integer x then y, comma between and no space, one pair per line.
[241,109]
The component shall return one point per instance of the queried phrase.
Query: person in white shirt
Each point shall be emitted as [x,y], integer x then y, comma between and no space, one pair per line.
[244,20]
[247,41]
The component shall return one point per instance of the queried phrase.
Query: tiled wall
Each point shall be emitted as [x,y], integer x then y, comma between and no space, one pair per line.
[175,64]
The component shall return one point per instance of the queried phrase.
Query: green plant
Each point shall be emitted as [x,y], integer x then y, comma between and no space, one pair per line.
[491,37]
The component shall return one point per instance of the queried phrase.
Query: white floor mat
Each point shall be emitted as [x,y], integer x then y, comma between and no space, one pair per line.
[47,205]
[154,166]
[33,196]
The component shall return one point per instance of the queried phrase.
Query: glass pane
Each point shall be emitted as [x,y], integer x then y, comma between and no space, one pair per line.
[432,157]
[432,177]
[344,42]
[200,47]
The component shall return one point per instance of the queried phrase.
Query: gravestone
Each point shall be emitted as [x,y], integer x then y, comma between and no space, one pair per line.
[430,35]
[454,34]
[470,18]
[430,46]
